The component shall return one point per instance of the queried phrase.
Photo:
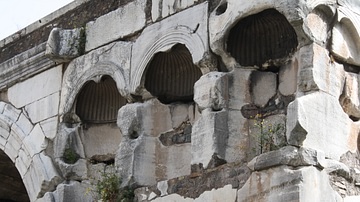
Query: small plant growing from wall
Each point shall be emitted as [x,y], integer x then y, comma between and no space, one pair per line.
[70,156]
[268,136]
[108,189]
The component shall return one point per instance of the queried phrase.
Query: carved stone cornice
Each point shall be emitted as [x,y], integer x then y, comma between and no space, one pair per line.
[24,65]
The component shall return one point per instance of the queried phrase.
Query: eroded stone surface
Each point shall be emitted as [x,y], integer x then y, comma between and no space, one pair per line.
[284,184]
[318,71]
[209,137]
[64,45]
[349,98]
[192,155]
[288,78]
[263,87]
[211,91]
[309,124]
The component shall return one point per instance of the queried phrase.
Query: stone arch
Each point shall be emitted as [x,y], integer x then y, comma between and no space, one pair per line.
[174,35]
[73,82]
[35,168]
[98,101]
[86,142]
[345,44]
[171,75]
[236,10]
[261,39]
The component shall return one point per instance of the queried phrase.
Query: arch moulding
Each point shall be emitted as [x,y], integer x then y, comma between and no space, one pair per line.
[112,60]
[188,27]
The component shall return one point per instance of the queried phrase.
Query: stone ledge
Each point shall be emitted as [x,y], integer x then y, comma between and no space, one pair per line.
[24,65]
[288,155]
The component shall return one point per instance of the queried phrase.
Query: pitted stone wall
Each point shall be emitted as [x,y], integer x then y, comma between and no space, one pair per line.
[285,128]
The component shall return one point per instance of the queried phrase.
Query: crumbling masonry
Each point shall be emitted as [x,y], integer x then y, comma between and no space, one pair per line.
[184,100]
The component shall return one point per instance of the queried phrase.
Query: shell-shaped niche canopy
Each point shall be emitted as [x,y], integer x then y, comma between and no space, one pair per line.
[261,39]
[99,102]
[171,75]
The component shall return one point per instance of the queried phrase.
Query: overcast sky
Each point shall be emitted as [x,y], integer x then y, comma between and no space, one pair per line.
[17,14]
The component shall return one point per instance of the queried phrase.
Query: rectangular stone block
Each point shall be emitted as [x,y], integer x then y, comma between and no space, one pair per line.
[239,88]
[35,88]
[319,72]
[12,147]
[49,127]
[288,77]
[10,114]
[285,184]
[43,108]
[317,121]
[211,91]
[178,162]
[209,137]
[122,22]
[263,87]
[35,142]
[23,162]
[24,124]
[237,146]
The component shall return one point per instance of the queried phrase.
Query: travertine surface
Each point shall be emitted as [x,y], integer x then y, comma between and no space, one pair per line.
[287,132]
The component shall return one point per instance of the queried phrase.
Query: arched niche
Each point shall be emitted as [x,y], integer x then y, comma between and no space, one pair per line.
[97,105]
[171,75]
[189,27]
[226,15]
[263,39]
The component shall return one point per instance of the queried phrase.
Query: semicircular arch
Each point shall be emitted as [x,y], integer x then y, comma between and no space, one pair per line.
[35,169]
[172,36]
[73,83]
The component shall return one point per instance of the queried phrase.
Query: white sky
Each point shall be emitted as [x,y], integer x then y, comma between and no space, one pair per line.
[17,14]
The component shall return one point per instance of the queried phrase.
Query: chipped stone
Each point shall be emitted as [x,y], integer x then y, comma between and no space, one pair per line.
[316,133]
[263,87]
[288,76]
[64,45]
[211,91]
[209,137]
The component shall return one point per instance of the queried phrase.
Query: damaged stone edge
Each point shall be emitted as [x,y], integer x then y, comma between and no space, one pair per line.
[298,157]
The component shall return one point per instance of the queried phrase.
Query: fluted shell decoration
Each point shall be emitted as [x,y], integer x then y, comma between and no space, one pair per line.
[99,102]
[260,38]
[171,75]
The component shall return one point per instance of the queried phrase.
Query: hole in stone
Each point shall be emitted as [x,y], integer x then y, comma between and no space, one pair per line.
[221,9]
[11,185]
[264,39]
[108,159]
[134,135]
[71,120]
[171,75]
[351,68]
[180,135]
[353,118]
